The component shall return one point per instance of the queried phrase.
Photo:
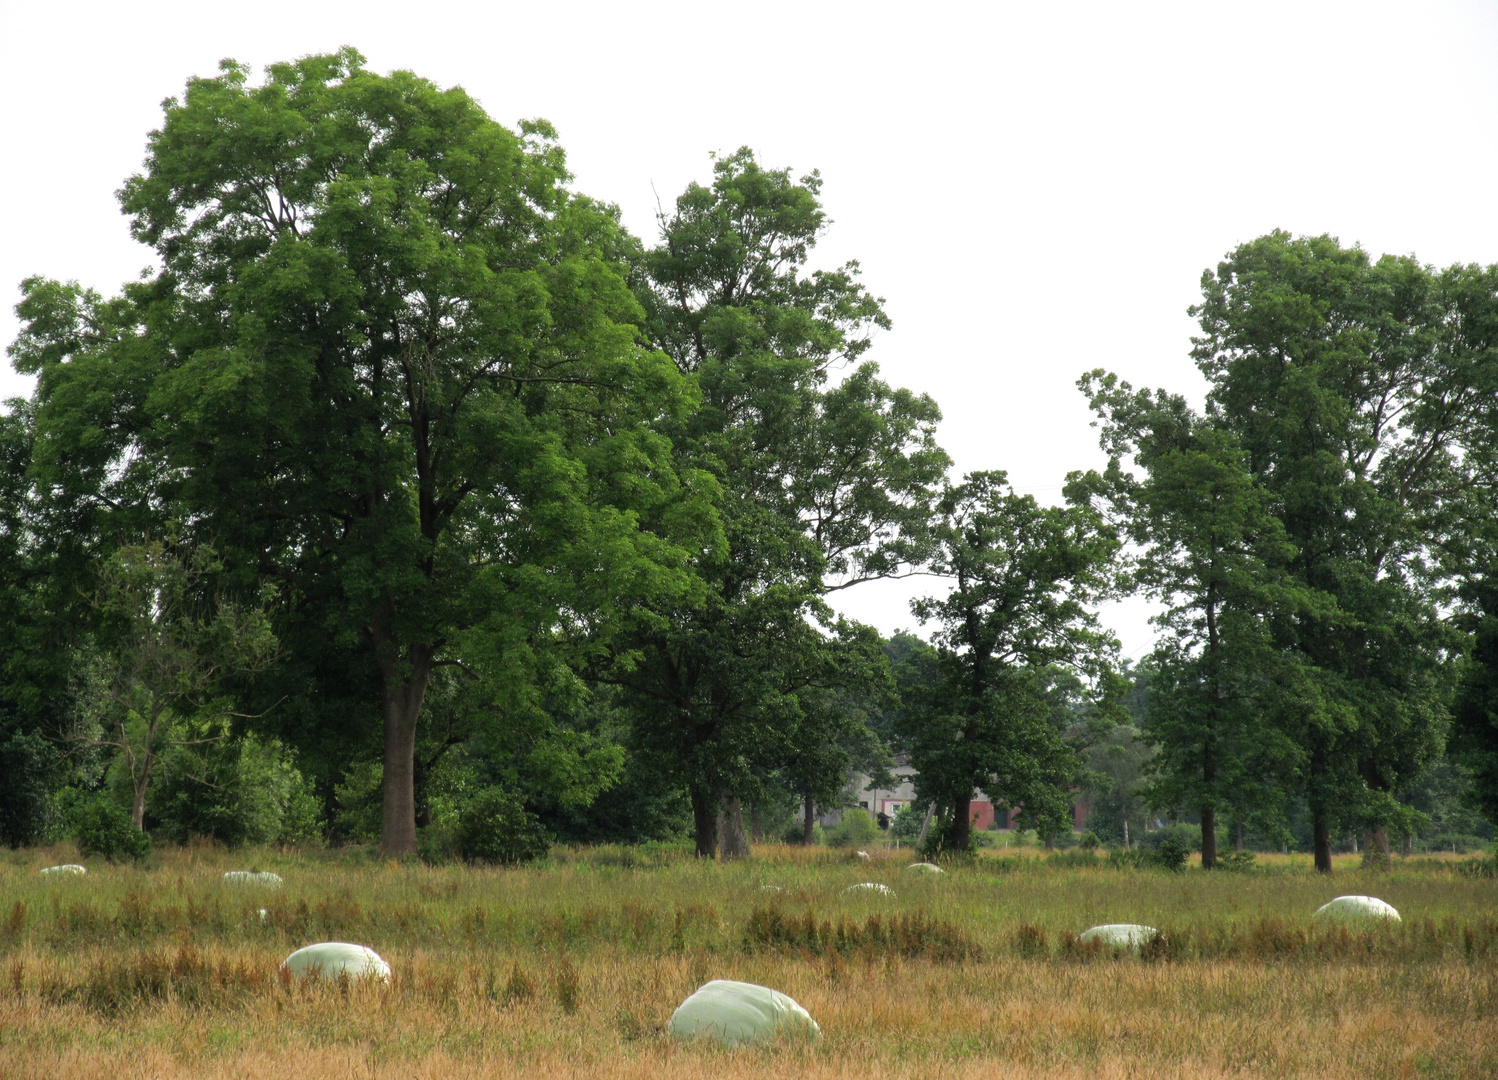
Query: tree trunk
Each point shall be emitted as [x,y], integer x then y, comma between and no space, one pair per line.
[961,836]
[705,824]
[1376,848]
[732,843]
[138,803]
[1238,838]
[400,706]
[1209,837]
[810,823]
[1321,832]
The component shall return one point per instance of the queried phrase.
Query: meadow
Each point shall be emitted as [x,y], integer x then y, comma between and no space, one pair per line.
[571,969]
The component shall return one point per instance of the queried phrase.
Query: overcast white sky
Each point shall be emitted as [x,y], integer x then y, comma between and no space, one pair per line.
[1035,188]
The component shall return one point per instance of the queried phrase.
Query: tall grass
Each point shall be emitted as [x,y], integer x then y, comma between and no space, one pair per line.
[573,969]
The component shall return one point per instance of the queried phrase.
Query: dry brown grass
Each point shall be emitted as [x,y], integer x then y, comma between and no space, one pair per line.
[572,971]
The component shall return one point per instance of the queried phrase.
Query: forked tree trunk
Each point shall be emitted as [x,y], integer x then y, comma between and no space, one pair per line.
[732,842]
[1209,837]
[808,833]
[1321,833]
[402,691]
[705,824]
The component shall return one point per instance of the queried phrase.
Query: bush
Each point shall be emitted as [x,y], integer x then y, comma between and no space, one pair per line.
[103,827]
[1089,840]
[495,827]
[238,791]
[1170,853]
[29,763]
[854,829]
[907,824]
[795,832]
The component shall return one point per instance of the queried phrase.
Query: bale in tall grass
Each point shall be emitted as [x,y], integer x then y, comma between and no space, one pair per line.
[1356,909]
[874,887]
[334,959]
[1130,936]
[63,870]
[732,1013]
[253,877]
[926,868]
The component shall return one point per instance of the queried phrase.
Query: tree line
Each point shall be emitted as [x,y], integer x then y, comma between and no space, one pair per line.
[411,482]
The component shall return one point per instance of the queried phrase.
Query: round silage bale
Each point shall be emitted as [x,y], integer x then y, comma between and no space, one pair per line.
[262,878]
[732,1013]
[334,959]
[63,871]
[1129,936]
[1357,909]
[926,868]
[871,887]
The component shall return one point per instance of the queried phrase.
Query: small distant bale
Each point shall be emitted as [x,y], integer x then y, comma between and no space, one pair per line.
[1356,909]
[263,878]
[62,871]
[332,960]
[733,1013]
[873,887]
[1130,936]
[925,868]
[862,854]
[771,888]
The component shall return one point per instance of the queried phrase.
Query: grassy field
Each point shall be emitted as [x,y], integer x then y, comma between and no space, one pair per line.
[572,969]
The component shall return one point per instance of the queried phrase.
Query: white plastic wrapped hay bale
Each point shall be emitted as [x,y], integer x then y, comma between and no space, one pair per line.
[925,868]
[872,888]
[333,959]
[1357,909]
[732,1013]
[771,888]
[65,870]
[862,854]
[1129,936]
[263,878]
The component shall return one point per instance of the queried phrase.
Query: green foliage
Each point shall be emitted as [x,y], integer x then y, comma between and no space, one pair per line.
[1170,852]
[358,812]
[795,833]
[495,827]
[907,824]
[386,324]
[240,791]
[30,765]
[977,712]
[821,487]
[854,829]
[1474,720]
[103,827]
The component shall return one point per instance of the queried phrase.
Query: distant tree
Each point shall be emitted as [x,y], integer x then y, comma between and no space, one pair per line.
[1022,578]
[168,650]
[824,484]
[1213,551]
[1347,387]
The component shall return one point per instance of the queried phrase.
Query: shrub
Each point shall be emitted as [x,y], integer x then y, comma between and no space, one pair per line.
[238,791]
[496,827]
[1170,853]
[29,764]
[1089,840]
[907,824]
[854,829]
[103,827]
[795,832]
